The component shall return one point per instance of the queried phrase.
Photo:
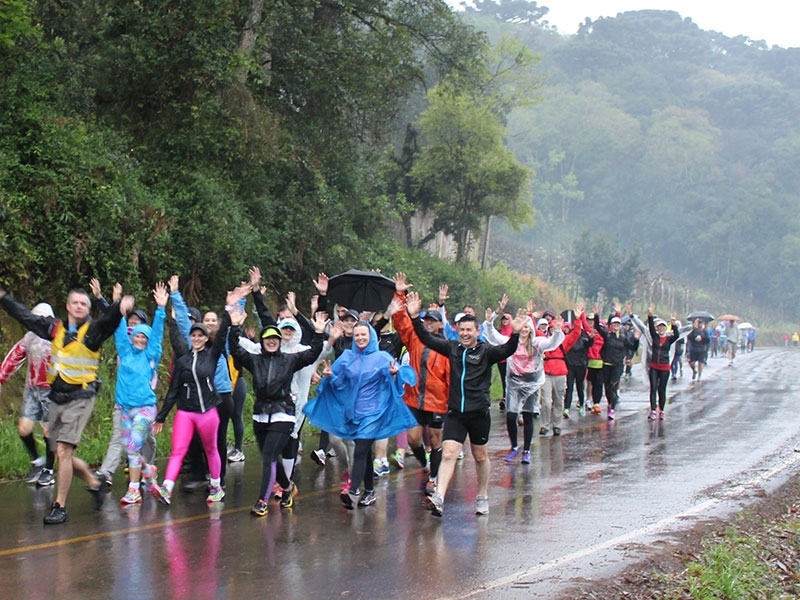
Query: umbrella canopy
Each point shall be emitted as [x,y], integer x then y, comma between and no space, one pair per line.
[746,326]
[361,290]
[728,318]
[702,315]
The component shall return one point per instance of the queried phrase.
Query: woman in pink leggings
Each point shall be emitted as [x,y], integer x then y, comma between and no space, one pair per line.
[192,389]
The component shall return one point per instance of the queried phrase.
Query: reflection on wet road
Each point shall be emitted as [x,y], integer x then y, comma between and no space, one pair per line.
[590,501]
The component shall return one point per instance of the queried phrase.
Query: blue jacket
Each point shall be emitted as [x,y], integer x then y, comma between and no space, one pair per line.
[137,368]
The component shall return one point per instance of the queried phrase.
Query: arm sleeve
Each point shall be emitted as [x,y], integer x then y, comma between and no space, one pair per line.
[103,328]
[437,344]
[13,360]
[264,314]
[181,316]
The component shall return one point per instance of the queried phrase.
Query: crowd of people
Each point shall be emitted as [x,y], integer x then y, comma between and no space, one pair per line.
[407,372]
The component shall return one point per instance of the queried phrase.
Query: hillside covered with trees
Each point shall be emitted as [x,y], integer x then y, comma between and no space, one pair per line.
[659,135]
[141,139]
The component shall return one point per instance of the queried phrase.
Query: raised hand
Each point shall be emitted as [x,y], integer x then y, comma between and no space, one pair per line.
[335,332]
[116,292]
[291,302]
[394,367]
[314,303]
[173,284]
[321,283]
[443,296]
[255,278]
[400,283]
[160,294]
[320,321]
[558,323]
[94,286]
[394,306]
[126,305]
[237,294]
[413,304]
[488,314]
[501,305]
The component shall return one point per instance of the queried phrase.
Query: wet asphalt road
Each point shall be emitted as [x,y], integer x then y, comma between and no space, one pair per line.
[591,502]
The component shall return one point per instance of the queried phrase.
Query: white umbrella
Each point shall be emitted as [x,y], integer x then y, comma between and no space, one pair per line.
[746,326]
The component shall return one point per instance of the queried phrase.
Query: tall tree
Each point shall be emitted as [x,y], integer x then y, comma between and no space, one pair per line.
[468,169]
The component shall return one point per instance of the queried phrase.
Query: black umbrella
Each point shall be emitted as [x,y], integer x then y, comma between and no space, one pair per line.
[702,315]
[361,290]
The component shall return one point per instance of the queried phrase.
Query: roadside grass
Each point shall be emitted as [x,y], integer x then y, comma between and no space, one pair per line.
[732,568]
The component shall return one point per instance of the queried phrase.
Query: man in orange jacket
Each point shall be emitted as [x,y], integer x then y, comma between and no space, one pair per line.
[428,398]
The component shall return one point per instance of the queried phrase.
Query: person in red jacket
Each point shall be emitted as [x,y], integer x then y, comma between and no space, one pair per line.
[660,362]
[555,373]
[35,397]
[428,398]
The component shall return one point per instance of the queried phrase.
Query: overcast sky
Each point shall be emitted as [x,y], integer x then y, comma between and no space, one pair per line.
[771,20]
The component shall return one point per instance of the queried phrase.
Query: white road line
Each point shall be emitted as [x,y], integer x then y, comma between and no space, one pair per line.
[661,525]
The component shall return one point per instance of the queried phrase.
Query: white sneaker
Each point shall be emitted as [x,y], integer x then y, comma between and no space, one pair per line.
[482,505]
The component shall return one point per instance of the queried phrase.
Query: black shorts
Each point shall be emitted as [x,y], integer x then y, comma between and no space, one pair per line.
[428,418]
[698,357]
[476,425]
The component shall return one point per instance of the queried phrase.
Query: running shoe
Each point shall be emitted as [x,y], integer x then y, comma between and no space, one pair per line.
[461,455]
[436,504]
[215,494]
[581,411]
[132,496]
[46,478]
[151,477]
[32,476]
[380,468]
[653,415]
[430,487]
[160,493]
[287,497]
[57,515]
[660,415]
[368,498]
[398,459]
[543,431]
[331,453]
[482,505]
[318,456]
[502,404]
[526,457]
[348,498]
[346,480]
[566,413]
[556,431]
[236,456]
[277,491]
[98,497]
[104,477]
[260,508]
[596,410]
[512,456]
[611,414]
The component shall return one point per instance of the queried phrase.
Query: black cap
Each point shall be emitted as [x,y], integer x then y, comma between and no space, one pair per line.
[199,326]
[351,313]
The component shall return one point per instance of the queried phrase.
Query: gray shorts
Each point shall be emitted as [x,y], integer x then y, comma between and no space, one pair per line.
[35,404]
[67,421]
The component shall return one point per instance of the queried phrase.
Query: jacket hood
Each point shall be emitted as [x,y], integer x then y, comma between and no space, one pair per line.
[145,330]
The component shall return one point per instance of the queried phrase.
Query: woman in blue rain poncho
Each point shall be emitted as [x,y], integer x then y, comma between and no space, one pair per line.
[360,398]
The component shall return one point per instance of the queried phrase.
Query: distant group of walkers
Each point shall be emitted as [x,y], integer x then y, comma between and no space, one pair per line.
[405,372]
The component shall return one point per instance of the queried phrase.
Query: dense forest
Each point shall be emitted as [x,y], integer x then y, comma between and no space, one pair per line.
[146,138]
[680,142]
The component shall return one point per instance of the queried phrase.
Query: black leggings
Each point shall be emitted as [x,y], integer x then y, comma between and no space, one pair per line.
[527,429]
[658,385]
[225,410]
[272,438]
[239,395]
[575,377]
[501,368]
[611,376]
[595,377]
[362,457]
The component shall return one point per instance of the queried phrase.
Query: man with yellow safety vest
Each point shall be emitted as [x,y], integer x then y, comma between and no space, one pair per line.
[76,343]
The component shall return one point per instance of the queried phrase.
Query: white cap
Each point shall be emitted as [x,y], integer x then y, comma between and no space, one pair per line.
[43,309]
[616,320]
